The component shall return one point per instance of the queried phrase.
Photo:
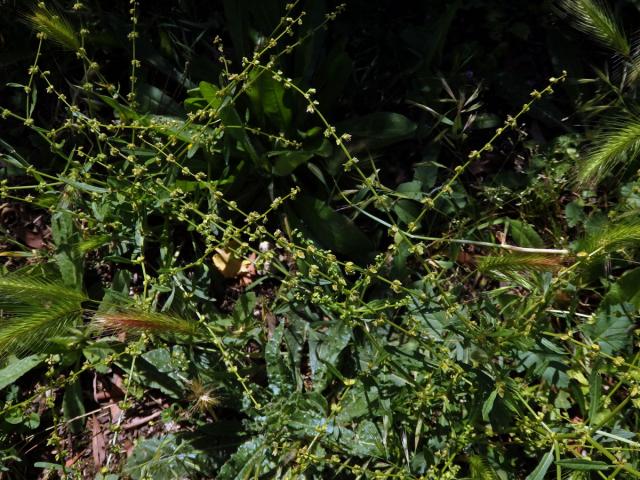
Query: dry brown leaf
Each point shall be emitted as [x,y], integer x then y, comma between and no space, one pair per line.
[34,239]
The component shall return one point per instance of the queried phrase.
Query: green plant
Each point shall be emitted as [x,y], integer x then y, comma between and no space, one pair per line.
[292,306]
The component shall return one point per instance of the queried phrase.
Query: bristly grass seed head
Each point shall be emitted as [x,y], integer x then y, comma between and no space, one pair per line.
[128,321]
[54,26]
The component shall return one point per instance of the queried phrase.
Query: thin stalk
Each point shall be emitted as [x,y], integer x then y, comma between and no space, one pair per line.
[513,248]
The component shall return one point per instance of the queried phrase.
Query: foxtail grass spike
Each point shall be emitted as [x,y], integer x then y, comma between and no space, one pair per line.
[519,262]
[624,233]
[618,145]
[127,321]
[594,17]
[35,310]
[54,26]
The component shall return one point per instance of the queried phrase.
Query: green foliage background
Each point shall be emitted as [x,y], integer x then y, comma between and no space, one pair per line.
[439,201]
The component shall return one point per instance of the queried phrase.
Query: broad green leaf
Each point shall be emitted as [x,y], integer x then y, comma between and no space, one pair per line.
[83,187]
[625,290]
[365,441]
[13,157]
[157,369]
[247,459]
[486,120]
[406,210]
[487,406]
[610,329]
[541,470]
[24,419]
[378,129]
[357,403]
[406,207]
[209,92]
[563,400]
[124,111]
[165,457]
[12,161]
[182,130]
[575,213]
[524,234]
[243,309]
[582,464]
[268,99]
[97,351]
[154,99]
[65,236]
[331,229]
[280,376]
[234,127]
[17,368]
[288,162]
[73,406]
[324,350]
[410,190]
[108,476]
[620,435]
[548,364]
[426,171]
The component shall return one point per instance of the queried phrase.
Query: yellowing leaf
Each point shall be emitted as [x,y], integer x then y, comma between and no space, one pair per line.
[228,264]
[576,375]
